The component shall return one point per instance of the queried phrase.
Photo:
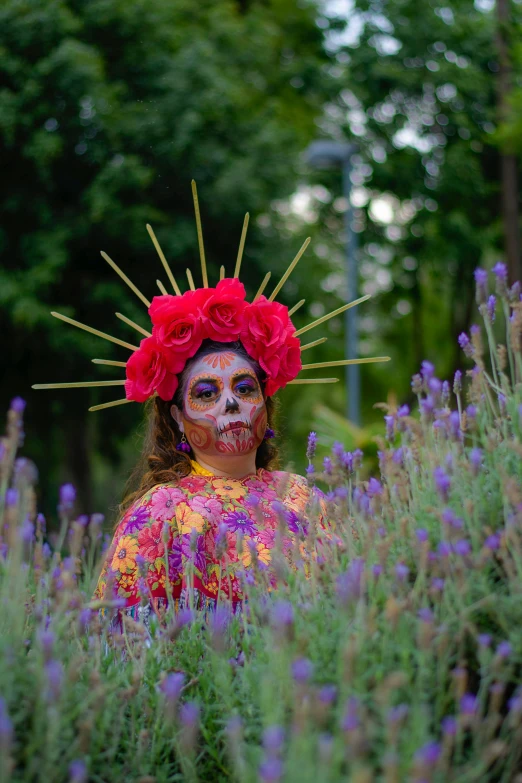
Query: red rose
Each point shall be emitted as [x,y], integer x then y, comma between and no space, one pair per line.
[266,326]
[222,312]
[152,369]
[176,321]
[283,366]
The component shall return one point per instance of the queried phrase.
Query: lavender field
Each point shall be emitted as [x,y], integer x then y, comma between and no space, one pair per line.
[395,655]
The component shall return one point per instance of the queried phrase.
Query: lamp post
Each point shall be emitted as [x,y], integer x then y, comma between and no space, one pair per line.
[322,154]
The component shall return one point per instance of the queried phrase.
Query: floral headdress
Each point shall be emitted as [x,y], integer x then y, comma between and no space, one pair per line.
[181,321]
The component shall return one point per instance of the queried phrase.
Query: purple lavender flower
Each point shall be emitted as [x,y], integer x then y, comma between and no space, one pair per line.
[475,458]
[445,392]
[27,531]
[401,572]
[273,738]
[491,306]
[437,584]
[189,714]
[427,406]
[327,466]
[18,405]
[374,487]
[504,650]
[390,427]
[457,382]
[302,670]
[422,534]
[357,456]
[350,721]
[347,461]
[484,639]
[462,547]
[338,449]
[454,426]
[481,280]
[172,686]
[271,770]
[429,754]
[468,704]
[425,615]
[502,403]
[449,726]
[403,411]
[465,344]
[77,771]
[471,412]
[398,456]
[6,727]
[282,614]
[67,495]
[349,584]
[492,542]
[309,469]
[427,370]
[327,694]
[397,714]
[448,518]
[312,445]
[54,675]
[515,702]
[500,271]
[376,570]
[442,483]
[11,497]
[444,549]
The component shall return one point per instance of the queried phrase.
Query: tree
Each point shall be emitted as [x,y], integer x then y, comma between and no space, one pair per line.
[420,99]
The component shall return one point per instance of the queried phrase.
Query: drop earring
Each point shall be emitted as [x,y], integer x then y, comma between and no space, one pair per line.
[269,433]
[183,445]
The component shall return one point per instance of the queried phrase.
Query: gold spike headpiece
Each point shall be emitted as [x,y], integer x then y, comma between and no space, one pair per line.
[181,321]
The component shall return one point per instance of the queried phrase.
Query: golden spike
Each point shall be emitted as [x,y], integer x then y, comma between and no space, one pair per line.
[161,287]
[241,245]
[76,385]
[125,278]
[221,272]
[320,341]
[109,362]
[331,315]
[95,331]
[262,286]
[344,362]
[134,325]
[313,380]
[296,307]
[289,270]
[109,404]
[200,234]
[190,280]
[163,260]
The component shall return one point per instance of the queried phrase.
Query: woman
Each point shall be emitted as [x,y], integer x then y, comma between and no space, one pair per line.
[208,506]
[208,509]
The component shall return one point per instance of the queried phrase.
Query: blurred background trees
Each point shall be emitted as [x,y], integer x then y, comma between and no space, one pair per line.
[109,108]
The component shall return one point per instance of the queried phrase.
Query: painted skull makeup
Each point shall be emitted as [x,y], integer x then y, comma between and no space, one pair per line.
[224,411]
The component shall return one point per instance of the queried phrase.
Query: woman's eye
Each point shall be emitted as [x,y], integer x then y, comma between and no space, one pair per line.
[245,389]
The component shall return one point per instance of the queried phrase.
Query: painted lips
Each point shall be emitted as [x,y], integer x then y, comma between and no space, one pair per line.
[234,426]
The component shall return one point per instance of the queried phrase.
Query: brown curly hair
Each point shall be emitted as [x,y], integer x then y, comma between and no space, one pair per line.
[160,462]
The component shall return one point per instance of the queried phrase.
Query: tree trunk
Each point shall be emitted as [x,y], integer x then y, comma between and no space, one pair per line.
[508,163]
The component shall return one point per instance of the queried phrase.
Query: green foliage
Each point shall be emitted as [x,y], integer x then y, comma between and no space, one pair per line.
[410,618]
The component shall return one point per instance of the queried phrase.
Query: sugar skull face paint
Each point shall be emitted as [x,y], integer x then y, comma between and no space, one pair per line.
[224,411]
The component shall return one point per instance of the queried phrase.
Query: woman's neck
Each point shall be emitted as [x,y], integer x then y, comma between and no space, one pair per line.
[232,467]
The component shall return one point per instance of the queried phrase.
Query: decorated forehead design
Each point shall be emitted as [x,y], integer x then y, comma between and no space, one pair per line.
[181,321]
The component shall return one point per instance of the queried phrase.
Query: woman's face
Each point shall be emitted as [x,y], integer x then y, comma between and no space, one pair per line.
[224,411]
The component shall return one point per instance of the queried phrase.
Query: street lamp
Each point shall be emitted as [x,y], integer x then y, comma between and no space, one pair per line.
[323,154]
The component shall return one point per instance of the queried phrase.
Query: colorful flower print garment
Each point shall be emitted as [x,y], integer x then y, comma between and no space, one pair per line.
[200,522]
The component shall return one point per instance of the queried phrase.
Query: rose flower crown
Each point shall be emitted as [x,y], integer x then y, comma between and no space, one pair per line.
[181,322]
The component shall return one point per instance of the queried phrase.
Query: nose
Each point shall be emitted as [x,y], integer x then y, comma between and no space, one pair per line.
[231,405]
